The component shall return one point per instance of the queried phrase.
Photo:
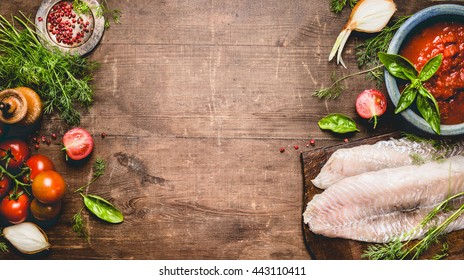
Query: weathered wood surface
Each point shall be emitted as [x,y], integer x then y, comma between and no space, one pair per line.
[197,97]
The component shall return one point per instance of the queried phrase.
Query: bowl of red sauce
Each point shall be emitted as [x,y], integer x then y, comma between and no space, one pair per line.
[435,30]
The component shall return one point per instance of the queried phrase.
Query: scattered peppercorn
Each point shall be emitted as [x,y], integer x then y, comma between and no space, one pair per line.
[282,150]
[103,135]
[346,140]
[36,146]
[296,147]
[54,136]
[40,19]
[312,142]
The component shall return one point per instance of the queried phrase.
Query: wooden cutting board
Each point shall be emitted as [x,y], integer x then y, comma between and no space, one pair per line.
[324,248]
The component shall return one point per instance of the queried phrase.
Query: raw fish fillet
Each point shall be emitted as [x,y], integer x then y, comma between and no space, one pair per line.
[384,154]
[382,205]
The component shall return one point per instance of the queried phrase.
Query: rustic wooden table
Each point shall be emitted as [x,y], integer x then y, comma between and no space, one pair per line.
[197,97]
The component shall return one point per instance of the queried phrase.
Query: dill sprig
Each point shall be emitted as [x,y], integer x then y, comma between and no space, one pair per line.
[336,6]
[367,51]
[102,10]
[62,80]
[334,90]
[399,250]
[3,247]
[78,225]
[98,170]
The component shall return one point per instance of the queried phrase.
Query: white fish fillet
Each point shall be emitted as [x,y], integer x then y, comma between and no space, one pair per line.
[382,205]
[384,154]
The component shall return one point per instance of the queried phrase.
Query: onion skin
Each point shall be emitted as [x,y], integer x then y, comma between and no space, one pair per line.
[27,237]
[369,16]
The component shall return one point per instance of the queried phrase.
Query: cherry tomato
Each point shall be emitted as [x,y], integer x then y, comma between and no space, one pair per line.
[370,104]
[5,183]
[48,187]
[18,149]
[15,211]
[45,212]
[78,143]
[39,163]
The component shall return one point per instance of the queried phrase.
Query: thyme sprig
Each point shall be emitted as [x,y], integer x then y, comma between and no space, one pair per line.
[404,250]
[62,80]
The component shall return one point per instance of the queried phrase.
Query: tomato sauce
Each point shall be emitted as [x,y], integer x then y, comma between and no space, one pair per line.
[447,85]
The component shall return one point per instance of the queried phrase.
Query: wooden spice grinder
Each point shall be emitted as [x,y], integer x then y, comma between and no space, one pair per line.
[20,106]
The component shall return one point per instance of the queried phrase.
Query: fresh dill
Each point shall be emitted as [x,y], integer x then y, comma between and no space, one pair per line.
[336,6]
[335,89]
[406,250]
[367,51]
[102,10]
[3,247]
[62,80]
[98,170]
[78,225]
[417,159]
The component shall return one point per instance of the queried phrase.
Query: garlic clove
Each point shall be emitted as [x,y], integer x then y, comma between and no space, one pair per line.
[368,16]
[27,237]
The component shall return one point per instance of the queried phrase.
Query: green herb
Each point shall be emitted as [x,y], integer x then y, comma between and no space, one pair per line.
[399,250]
[102,10]
[103,209]
[81,7]
[79,226]
[98,170]
[337,6]
[3,247]
[334,90]
[402,68]
[367,51]
[443,253]
[95,204]
[338,123]
[417,159]
[62,80]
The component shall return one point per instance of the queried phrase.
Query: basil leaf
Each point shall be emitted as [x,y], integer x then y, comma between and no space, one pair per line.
[429,112]
[102,209]
[338,123]
[398,66]
[430,67]
[424,92]
[406,99]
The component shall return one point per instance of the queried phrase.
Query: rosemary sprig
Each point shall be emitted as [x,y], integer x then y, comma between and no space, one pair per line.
[62,80]
[333,91]
[366,52]
[79,226]
[336,6]
[398,250]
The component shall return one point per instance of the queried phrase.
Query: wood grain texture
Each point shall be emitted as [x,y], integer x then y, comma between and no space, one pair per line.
[197,97]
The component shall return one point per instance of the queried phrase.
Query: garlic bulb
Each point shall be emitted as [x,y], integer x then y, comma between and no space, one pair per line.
[368,16]
[28,238]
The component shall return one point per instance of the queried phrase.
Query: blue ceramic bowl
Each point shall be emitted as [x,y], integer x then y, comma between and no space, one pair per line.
[445,11]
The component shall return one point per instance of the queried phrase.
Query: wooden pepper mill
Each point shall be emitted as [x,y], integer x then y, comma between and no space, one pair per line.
[20,106]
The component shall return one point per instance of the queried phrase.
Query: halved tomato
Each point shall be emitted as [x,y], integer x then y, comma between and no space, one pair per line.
[78,143]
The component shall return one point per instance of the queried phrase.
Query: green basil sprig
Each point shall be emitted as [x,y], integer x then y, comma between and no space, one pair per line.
[102,209]
[402,68]
[338,123]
